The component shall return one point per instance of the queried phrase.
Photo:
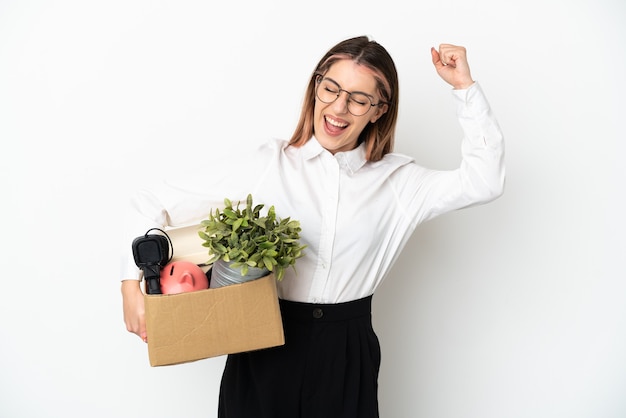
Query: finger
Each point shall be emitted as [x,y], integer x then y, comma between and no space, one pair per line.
[448,57]
[436,58]
[444,53]
[452,54]
[142,329]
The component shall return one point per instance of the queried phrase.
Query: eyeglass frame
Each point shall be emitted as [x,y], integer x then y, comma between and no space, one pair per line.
[318,81]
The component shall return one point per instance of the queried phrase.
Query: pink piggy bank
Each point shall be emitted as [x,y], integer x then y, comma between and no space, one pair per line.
[182,276]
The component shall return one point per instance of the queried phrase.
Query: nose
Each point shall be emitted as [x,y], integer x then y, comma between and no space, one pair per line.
[341,104]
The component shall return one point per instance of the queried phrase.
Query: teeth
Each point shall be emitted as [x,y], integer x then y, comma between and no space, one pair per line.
[336,123]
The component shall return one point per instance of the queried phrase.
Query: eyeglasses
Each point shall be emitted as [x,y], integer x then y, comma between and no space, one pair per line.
[358,103]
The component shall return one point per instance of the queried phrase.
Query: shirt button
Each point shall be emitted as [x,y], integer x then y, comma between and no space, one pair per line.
[318,313]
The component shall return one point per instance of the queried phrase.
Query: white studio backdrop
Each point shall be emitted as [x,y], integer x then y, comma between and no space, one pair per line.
[511,310]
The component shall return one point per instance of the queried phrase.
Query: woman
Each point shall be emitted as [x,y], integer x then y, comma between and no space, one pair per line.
[358,203]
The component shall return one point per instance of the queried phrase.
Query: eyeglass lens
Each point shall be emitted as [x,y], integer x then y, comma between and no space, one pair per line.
[328,91]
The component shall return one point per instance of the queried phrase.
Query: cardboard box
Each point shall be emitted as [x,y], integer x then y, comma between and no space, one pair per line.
[208,323]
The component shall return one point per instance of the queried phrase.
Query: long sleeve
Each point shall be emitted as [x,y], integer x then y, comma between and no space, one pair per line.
[480,176]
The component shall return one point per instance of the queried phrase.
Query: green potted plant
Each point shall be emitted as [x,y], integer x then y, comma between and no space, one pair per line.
[249,243]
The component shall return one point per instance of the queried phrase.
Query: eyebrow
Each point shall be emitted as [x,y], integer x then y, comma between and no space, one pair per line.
[359,92]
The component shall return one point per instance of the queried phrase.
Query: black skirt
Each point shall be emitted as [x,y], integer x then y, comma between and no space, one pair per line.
[328,367]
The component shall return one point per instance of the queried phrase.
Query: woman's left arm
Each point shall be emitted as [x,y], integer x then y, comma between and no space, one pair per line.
[482,168]
[481,174]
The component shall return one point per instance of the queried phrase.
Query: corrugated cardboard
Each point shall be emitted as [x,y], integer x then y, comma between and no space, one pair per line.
[208,323]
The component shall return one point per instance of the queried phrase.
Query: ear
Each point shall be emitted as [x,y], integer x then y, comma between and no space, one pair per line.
[379,112]
[186,277]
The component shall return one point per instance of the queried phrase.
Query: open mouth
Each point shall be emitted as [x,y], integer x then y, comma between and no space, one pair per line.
[334,126]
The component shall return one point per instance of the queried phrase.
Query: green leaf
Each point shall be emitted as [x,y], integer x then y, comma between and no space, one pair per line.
[268,263]
[260,239]
[230,213]
[220,247]
[266,245]
[255,258]
[270,253]
[259,222]
[237,224]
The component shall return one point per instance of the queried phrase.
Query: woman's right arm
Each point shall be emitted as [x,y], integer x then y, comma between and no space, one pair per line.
[184,202]
[134,311]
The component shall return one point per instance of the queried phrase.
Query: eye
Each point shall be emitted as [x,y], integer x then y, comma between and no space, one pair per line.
[330,88]
[360,99]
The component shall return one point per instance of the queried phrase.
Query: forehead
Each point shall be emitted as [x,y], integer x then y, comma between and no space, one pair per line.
[352,76]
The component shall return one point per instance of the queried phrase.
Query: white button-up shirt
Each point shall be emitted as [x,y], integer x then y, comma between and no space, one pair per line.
[356,216]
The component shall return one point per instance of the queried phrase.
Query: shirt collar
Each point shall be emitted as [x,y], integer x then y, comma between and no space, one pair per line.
[351,160]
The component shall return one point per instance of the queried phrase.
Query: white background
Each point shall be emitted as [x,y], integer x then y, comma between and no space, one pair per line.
[514,309]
